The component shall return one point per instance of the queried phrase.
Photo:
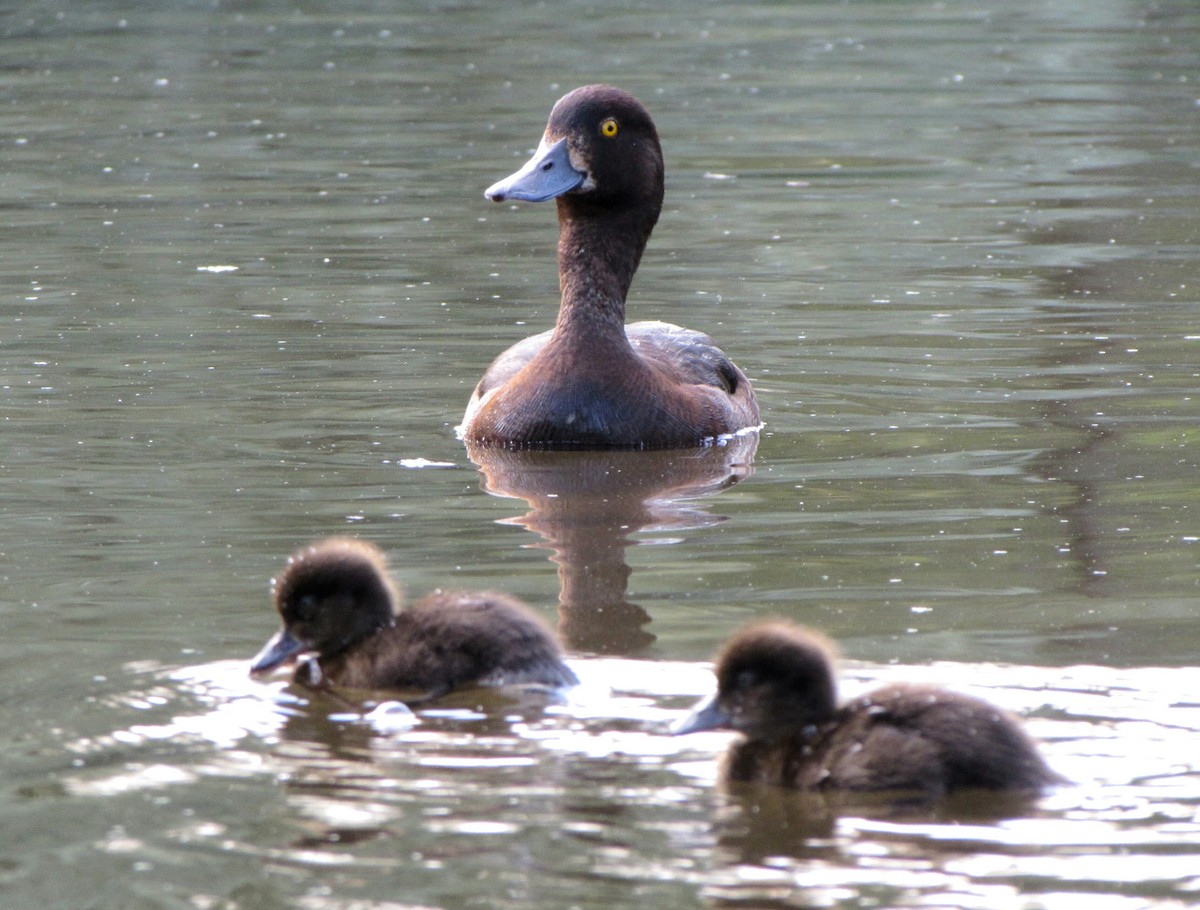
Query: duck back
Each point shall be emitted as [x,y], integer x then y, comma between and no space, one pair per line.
[452,640]
[901,738]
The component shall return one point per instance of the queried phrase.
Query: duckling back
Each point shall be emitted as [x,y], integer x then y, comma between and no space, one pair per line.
[901,738]
[452,640]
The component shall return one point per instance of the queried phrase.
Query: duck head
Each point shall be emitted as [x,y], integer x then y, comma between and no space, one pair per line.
[774,680]
[600,145]
[331,595]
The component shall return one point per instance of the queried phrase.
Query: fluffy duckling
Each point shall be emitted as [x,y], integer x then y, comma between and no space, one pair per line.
[775,685]
[341,610]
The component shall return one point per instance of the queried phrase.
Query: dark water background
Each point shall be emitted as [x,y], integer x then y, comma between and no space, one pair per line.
[249,279]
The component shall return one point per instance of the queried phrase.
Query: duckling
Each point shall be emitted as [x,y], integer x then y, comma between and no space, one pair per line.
[593,382]
[341,610]
[775,685]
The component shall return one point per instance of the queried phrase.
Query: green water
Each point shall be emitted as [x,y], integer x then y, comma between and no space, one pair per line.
[249,280]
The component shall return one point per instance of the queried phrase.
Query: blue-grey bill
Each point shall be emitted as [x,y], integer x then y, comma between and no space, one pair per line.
[546,175]
[705,716]
[281,647]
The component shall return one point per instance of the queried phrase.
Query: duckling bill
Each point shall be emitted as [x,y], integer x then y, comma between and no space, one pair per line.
[593,382]
[342,625]
[775,685]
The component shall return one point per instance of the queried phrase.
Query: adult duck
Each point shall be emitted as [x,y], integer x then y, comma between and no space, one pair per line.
[343,626]
[593,382]
[775,685]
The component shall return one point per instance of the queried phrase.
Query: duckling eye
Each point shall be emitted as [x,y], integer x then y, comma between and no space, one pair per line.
[304,608]
[747,679]
[609,128]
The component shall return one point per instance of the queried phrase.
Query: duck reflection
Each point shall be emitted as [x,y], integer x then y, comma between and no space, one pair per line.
[755,824]
[587,505]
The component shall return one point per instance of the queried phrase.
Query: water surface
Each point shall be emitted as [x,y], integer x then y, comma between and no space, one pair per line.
[249,280]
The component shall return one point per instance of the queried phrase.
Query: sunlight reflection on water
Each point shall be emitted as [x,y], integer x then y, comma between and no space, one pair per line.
[1124,737]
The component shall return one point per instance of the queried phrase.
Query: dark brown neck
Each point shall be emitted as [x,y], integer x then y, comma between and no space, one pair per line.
[599,250]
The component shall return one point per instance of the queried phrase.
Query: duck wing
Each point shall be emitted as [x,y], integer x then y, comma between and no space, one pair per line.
[509,363]
[689,356]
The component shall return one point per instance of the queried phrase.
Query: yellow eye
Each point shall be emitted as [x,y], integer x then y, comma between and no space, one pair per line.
[608,128]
